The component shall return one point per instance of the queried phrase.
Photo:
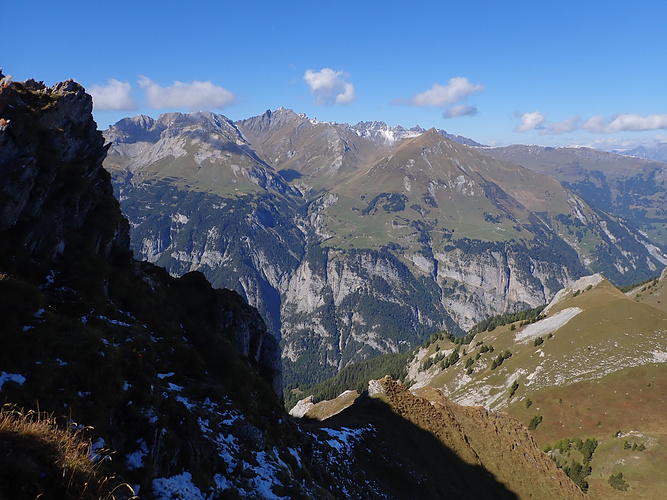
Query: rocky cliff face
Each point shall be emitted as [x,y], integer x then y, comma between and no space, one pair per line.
[173,375]
[52,164]
[56,193]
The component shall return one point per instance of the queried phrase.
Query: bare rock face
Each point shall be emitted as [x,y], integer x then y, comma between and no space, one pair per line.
[171,373]
[375,388]
[301,408]
[56,194]
[54,186]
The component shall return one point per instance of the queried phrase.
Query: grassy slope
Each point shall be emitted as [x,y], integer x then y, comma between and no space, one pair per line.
[496,441]
[653,294]
[596,376]
[612,332]
[631,401]
[208,177]
[627,176]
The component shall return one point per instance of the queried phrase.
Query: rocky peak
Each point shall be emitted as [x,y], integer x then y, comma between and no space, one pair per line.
[381,133]
[263,127]
[54,186]
[140,128]
[89,332]
[460,139]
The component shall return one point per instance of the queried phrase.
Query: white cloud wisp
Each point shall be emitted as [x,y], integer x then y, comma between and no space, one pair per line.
[329,87]
[530,121]
[460,110]
[112,97]
[195,96]
[625,122]
[564,127]
[441,96]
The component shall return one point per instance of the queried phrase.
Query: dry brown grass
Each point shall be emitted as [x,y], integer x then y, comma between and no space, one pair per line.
[40,459]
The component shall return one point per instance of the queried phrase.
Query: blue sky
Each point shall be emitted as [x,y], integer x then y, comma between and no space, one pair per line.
[552,73]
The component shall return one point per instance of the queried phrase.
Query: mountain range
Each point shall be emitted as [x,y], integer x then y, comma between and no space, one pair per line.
[366,239]
[632,188]
[657,152]
[175,384]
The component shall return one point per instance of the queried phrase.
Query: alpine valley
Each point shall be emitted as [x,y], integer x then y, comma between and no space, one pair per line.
[358,240]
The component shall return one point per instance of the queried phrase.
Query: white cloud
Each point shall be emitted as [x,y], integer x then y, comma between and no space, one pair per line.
[460,110]
[634,122]
[609,143]
[564,127]
[595,125]
[195,96]
[443,95]
[530,121]
[329,86]
[625,122]
[112,97]
[347,96]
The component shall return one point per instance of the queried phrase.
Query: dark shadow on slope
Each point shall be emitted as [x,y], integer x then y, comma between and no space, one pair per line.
[402,461]
[289,174]
[271,312]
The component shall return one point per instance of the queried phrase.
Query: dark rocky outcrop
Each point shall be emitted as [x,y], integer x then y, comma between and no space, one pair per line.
[53,182]
[56,193]
[161,367]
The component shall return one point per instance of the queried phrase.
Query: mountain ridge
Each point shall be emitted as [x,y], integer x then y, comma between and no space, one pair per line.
[482,236]
[589,368]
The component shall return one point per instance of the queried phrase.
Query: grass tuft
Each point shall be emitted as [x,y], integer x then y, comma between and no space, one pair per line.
[39,457]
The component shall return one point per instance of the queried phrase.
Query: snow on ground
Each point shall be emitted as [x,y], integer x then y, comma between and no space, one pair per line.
[11,377]
[135,460]
[267,470]
[179,486]
[296,456]
[581,284]
[547,325]
[342,438]
[228,447]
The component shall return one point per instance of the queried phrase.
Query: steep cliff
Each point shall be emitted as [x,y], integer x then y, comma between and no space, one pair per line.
[52,155]
[178,378]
